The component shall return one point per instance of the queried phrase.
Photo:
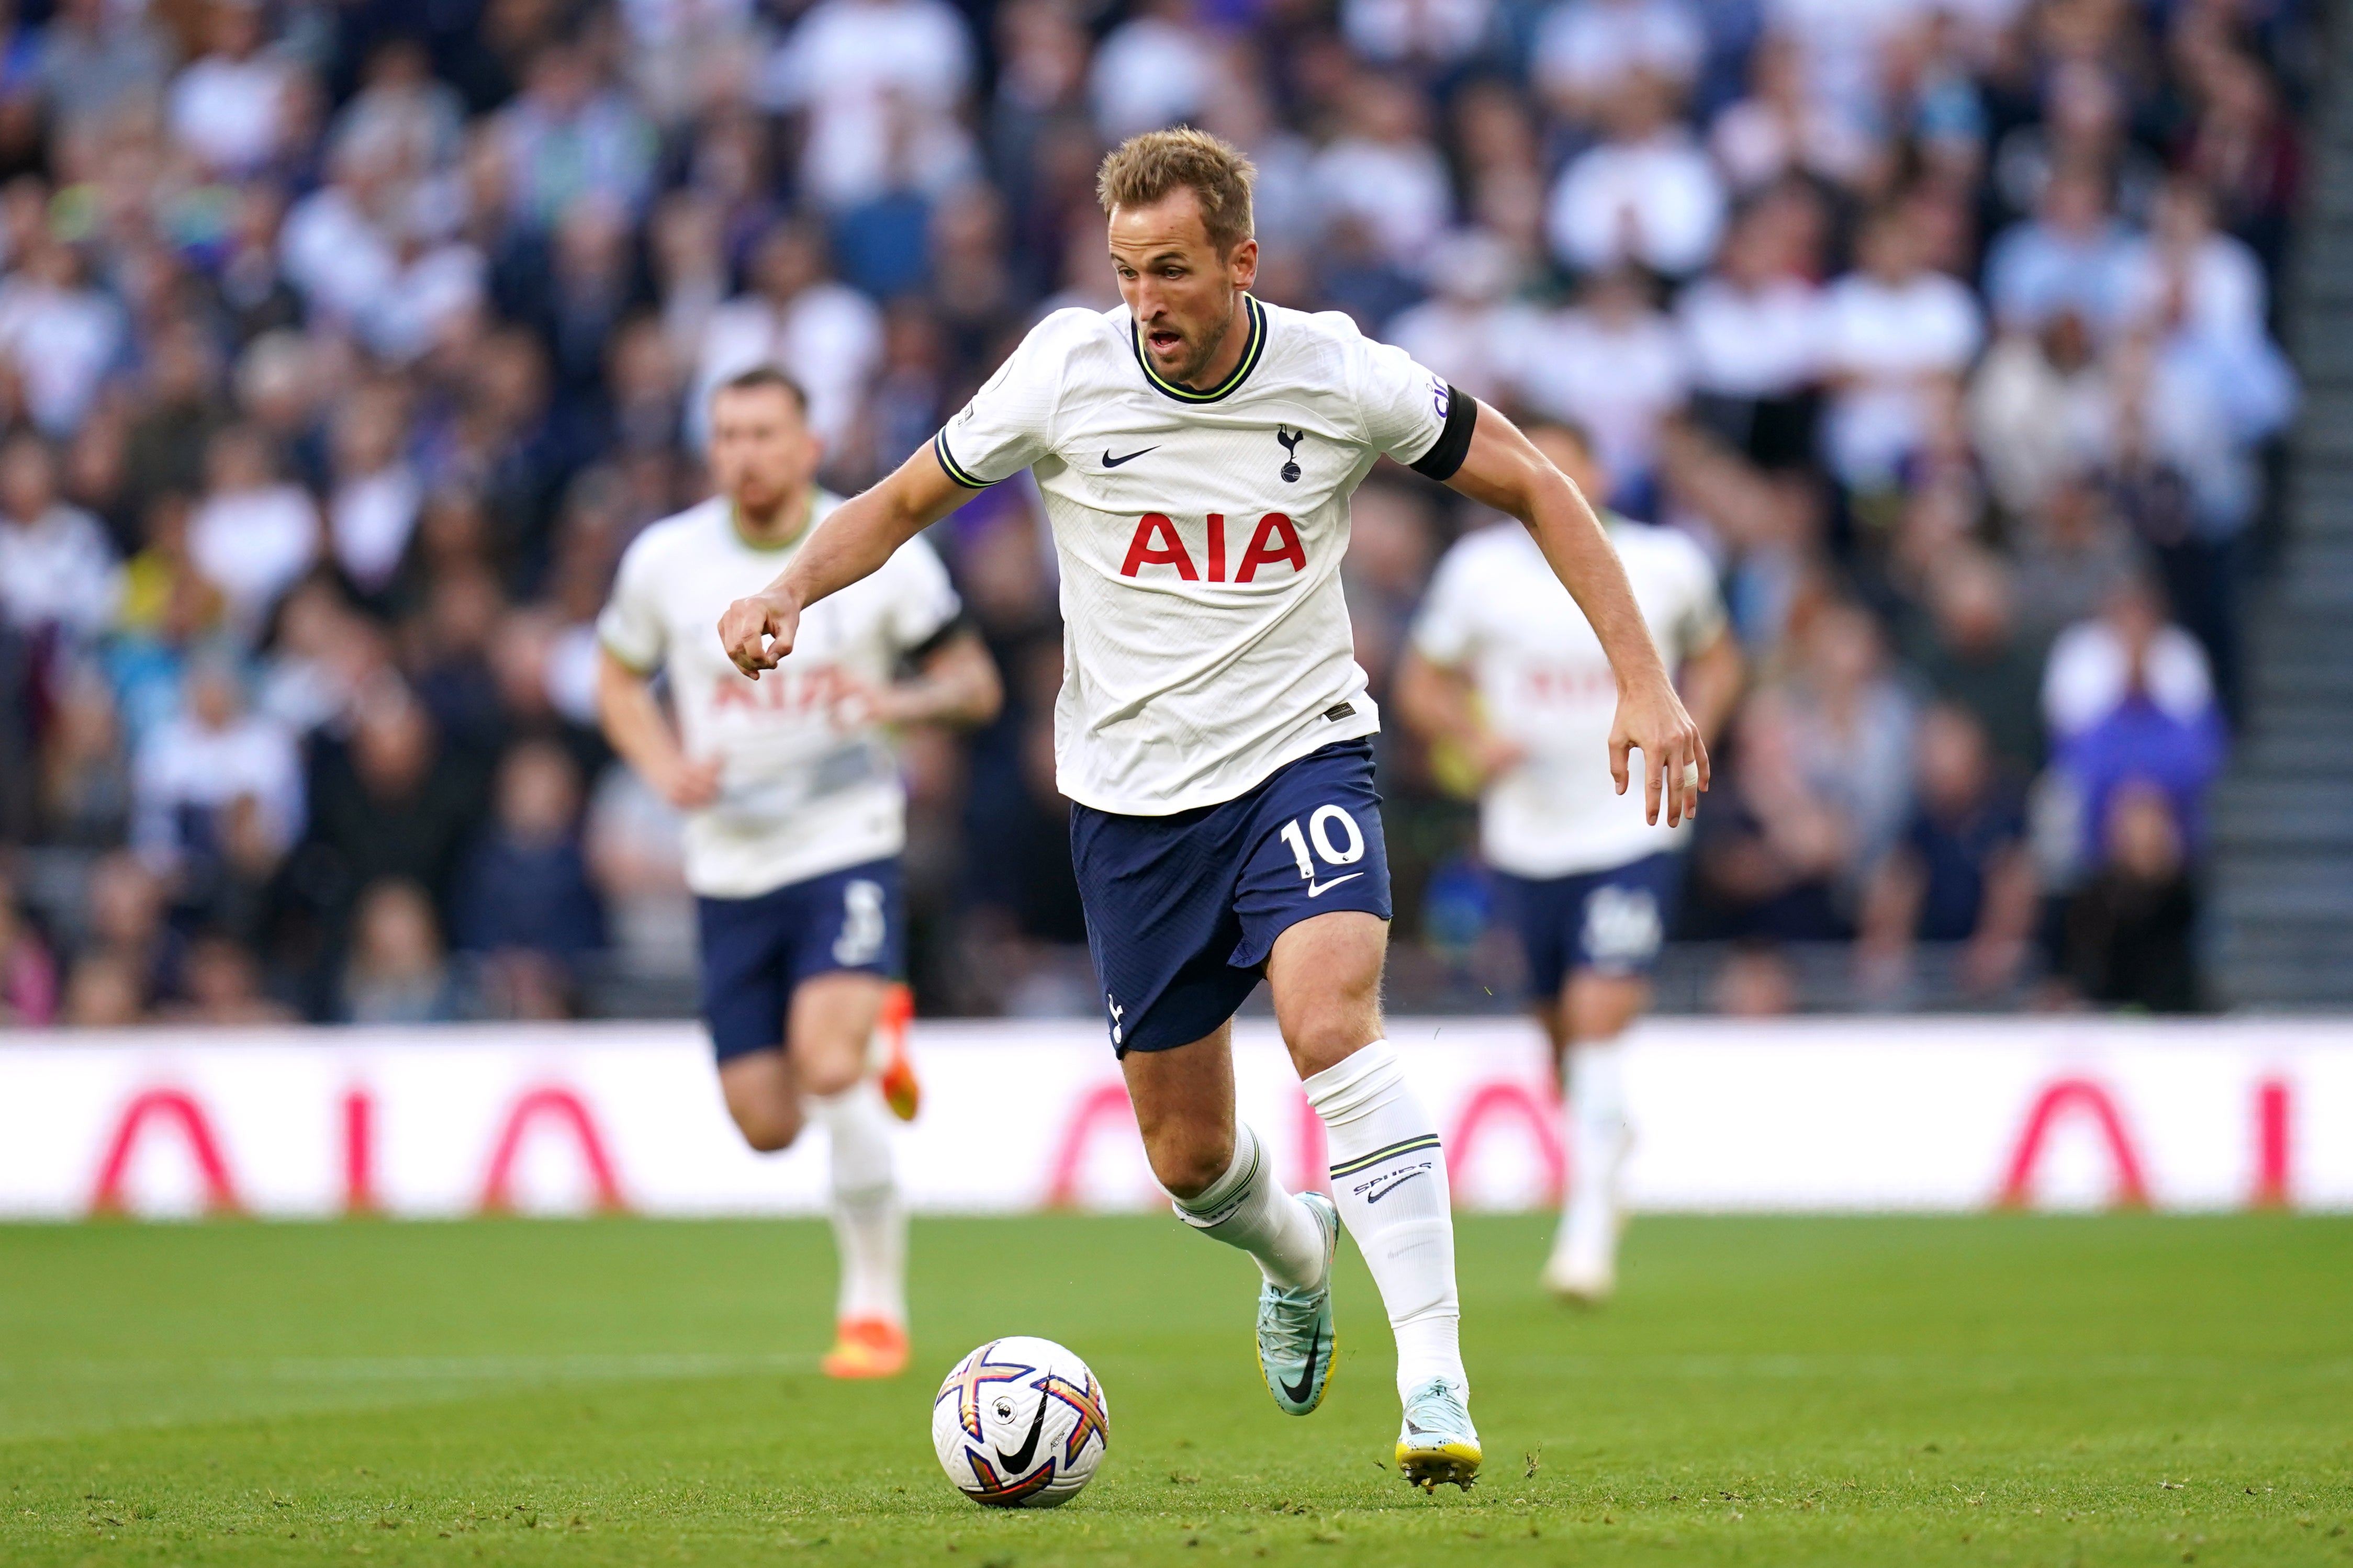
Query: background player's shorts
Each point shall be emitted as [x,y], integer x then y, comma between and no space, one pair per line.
[1607,922]
[1182,910]
[756,950]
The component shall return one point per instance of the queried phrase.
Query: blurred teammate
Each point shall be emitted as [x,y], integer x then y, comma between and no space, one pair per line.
[1504,668]
[794,813]
[1197,450]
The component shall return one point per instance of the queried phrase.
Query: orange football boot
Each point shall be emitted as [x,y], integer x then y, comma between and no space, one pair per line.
[866,1347]
[901,1092]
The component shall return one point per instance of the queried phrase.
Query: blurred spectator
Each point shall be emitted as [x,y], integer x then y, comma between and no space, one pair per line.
[1586,49]
[525,888]
[60,335]
[1852,728]
[193,769]
[372,509]
[1470,331]
[98,59]
[1158,68]
[1769,854]
[2129,930]
[1647,193]
[569,134]
[1752,333]
[85,765]
[29,978]
[2040,410]
[1384,171]
[1782,128]
[827,336]
[232,106]
[398,974]
[103,992]
[125,936]
[1895,339]
[254,531]
[1612,365]
[2073,257]
[867,73]
[1960,873]
[58,571]
[1976,656]
[223,986]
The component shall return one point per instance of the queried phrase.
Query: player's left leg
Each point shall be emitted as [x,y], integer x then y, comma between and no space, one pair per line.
[1594,1009]
[843,959]
[1388,1172]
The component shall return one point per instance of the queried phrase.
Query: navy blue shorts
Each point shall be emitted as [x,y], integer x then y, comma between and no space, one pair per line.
[1602,922]
[1182,910]
[756,950]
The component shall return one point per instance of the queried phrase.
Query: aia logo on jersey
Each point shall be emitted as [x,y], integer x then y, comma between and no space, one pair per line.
[1157,542]
[792,693]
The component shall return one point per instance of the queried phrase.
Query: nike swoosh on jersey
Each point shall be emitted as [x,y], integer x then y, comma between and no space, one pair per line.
[1317,890]
[1112,462]
[1018,1461]
[1410,1175]
[1297,1393]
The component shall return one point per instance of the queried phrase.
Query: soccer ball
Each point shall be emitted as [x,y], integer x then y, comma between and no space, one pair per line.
[1020,1423]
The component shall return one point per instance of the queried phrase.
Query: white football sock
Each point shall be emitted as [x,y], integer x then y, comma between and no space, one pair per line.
[1389,1175]
[1247,1208]
[1598,1136]
[869,1224]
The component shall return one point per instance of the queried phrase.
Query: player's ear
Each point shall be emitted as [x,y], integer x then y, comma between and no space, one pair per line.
[1243,263]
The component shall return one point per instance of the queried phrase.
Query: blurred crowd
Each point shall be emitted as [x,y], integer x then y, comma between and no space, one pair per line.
[344,343]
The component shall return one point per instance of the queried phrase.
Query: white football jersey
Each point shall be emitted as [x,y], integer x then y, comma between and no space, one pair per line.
[808,784]
[1496,611]
[1205,638]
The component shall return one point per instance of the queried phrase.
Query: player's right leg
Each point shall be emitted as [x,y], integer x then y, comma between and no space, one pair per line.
[1223,1185]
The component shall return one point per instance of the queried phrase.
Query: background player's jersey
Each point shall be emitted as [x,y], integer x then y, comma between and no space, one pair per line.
[1496,609]
[1206,640]
[808,784]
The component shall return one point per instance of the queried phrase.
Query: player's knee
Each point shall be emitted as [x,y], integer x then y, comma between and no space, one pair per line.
[766,1131]
[828,1073]
[1190,1166]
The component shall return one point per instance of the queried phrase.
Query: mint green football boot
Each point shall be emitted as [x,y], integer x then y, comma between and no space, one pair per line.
[1437,1442]
[1294,1327]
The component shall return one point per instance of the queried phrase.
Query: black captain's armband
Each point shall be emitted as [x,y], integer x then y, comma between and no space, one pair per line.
[1454,444]
[958,626]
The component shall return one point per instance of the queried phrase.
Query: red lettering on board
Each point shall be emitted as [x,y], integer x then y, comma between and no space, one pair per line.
[567,1110]
[2080,1097]
[180,1110]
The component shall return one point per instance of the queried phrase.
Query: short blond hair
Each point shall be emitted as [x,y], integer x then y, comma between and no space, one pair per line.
[1145,168]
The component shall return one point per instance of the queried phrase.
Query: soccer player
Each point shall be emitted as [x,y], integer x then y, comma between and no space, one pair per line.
[1502,667]
[795,814]
[1197,449]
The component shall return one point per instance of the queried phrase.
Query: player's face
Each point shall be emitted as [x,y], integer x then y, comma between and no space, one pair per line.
[1183,294]
[761,452]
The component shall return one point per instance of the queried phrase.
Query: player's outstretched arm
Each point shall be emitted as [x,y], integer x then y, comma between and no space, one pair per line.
[853,542]
[1504,470]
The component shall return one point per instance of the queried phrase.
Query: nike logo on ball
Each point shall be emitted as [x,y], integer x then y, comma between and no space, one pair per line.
[1112,462]
[1317,890]
[1297,1393]
[1019,1460]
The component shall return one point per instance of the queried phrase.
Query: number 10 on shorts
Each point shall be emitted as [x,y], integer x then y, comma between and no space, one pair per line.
[1320,824]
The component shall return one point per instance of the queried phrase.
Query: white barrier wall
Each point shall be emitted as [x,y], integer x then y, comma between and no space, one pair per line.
[1895,1113]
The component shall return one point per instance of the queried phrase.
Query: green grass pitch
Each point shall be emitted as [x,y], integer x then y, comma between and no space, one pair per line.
[1990,1390]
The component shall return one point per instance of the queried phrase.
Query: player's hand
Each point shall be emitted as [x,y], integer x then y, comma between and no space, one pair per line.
[757,632]
[1651,720]
[691,785]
